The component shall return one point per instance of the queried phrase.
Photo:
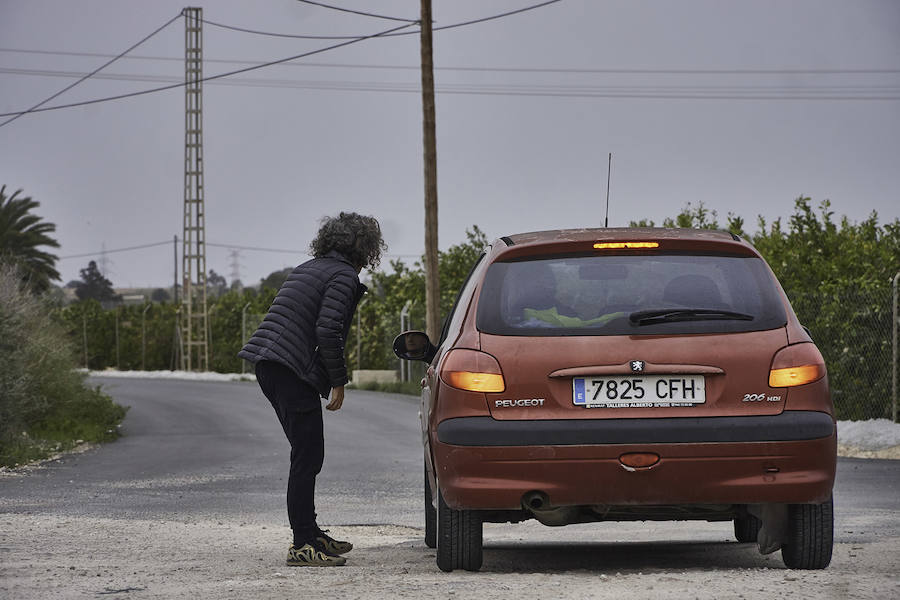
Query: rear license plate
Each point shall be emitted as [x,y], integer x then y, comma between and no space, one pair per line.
[647,391]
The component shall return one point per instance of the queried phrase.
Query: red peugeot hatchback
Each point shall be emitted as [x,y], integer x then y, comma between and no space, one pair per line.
[625,374]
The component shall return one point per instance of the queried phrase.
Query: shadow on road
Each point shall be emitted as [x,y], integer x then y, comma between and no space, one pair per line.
[623,556]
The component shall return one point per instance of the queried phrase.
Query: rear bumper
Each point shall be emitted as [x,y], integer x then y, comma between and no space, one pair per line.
[787,426]
[482,463]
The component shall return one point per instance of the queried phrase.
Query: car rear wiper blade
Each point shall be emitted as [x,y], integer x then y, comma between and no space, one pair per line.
[668,315]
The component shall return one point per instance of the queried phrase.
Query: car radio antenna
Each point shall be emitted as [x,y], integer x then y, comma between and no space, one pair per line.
[608,175]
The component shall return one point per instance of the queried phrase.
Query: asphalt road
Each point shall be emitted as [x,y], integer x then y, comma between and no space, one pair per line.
[216,450]
[199,452]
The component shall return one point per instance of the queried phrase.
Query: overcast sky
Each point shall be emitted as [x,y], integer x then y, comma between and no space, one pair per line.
[740,105]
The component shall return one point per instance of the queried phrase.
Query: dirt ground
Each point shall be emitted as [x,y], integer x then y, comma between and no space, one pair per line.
[54,557]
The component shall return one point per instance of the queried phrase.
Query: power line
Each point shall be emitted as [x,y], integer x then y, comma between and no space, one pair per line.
[747,92]
[399,33]
[233,246]
[385,33]
[500,16]
[485,91]
[559,70]
[394,34]
[401,86]
[281,35]
[94,72]
[292,251]
[128,249]
[578,71]
[205,79]
[356,12]
[257,249]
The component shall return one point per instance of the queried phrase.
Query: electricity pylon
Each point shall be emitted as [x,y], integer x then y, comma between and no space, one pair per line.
[194,318]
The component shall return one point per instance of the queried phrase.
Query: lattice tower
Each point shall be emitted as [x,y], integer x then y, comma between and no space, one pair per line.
[235,255]
[194,317]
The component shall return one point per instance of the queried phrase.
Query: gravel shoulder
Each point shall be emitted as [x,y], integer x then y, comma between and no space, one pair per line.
[54,557]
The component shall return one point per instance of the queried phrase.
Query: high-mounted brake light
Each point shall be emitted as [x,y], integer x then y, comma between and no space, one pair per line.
[473,371]
[625,245]
[796,365]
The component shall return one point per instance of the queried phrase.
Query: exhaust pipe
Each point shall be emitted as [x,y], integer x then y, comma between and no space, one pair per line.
[535,500]
[538,504]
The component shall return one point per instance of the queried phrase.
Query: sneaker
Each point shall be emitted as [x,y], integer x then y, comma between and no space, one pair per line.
[332,545]
[313,555]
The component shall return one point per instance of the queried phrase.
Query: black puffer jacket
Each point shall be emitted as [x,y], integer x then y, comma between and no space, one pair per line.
[308,322]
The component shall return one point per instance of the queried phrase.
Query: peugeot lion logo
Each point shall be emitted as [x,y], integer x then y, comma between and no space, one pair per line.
[637,366]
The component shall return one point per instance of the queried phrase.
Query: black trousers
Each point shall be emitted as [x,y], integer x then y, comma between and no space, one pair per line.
[299,409]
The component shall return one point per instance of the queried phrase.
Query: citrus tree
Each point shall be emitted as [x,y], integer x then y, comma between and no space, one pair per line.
[838,275]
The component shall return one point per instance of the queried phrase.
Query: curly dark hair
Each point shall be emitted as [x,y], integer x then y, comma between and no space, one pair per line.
[356,236]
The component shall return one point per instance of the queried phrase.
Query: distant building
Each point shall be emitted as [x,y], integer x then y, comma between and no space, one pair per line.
[128,299]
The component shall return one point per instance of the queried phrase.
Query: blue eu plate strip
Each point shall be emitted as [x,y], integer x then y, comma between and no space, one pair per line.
[578,386]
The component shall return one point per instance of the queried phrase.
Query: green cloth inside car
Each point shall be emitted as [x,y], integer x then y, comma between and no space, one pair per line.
[552,316]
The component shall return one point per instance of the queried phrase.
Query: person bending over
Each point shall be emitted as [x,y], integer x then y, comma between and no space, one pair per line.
[298,353]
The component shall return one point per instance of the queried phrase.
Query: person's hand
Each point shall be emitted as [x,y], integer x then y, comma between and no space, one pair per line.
[337,398]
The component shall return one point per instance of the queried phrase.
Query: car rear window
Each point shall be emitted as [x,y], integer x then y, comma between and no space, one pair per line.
[596,295]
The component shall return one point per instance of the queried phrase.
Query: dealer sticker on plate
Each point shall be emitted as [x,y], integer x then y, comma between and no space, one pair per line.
[647,391]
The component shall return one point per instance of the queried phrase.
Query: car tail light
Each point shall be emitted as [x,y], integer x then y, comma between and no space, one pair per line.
[473,371]
[796,365]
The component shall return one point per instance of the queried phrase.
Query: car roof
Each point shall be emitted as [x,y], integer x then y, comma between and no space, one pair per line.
[617,233]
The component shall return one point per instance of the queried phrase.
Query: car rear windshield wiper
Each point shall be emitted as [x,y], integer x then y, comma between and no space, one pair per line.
[669,315]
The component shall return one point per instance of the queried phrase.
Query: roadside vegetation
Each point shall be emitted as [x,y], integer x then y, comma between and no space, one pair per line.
[45,404]
[837,274]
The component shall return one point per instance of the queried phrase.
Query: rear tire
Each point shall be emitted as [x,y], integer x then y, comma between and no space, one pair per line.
[810,536]
[746,529]
[459,539]
[430,516]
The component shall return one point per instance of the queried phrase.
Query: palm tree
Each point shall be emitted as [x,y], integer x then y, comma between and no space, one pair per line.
[21,235]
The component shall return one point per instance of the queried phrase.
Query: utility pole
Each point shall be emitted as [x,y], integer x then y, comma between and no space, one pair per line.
[176,336]
[432,282]
[194,320]
[175,271]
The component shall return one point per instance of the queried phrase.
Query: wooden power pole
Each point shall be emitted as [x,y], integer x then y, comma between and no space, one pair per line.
[432,281]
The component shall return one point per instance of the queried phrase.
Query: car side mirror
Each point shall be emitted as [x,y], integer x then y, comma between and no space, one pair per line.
[414,345]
